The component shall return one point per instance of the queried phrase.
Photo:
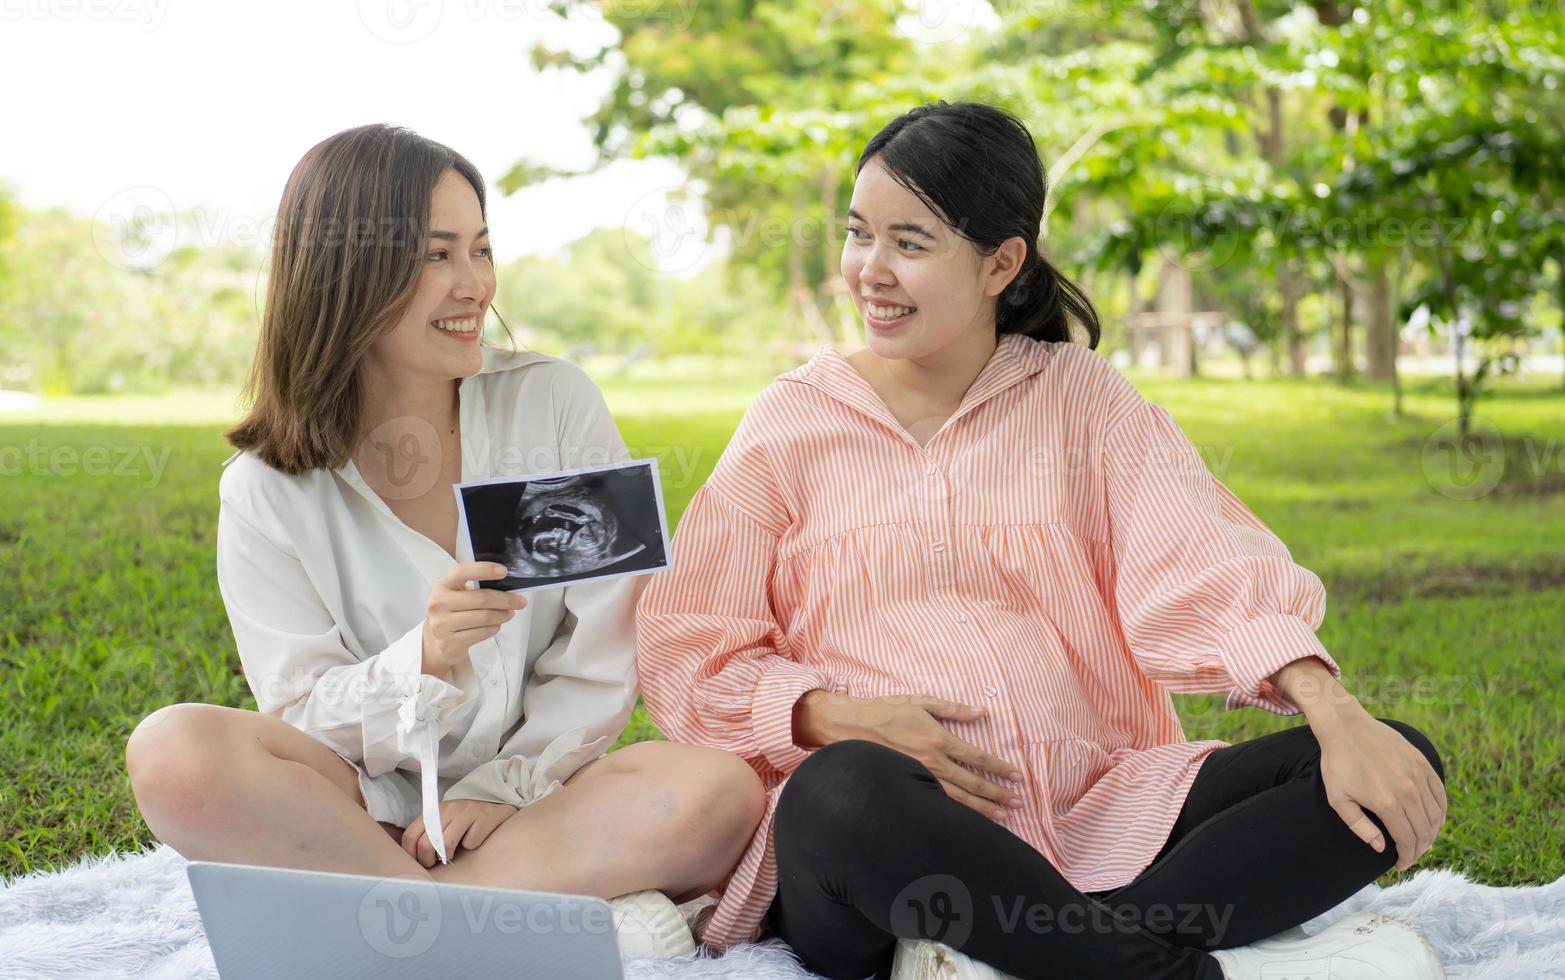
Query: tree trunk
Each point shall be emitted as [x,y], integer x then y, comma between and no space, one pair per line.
[807,317]
[1176,299]
[830,246]
[1559,259]
[1287,288]
[1464,387]
[1271,142]
[1345,335]
[1380,323]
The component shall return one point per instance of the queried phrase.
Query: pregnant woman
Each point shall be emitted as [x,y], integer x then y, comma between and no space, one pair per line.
[936,593]
[409,722]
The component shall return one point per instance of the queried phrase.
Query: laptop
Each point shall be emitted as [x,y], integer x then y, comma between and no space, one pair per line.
[282,922]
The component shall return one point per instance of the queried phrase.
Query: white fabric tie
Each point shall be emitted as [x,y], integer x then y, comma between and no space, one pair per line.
[418,733]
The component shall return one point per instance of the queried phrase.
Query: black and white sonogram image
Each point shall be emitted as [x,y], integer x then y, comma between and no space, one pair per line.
[551,529]
[564,527]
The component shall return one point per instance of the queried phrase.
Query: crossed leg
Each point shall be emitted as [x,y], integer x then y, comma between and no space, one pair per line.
[870,849]
[1257,848]
[225,784]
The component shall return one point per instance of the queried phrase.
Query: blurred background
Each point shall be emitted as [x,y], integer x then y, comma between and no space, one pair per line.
[1329,236]
[1342,189]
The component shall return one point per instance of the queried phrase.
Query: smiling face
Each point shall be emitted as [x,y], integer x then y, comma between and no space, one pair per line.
[920,287]
[437,338]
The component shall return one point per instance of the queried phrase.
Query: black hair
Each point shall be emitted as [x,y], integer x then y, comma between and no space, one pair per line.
[977,168]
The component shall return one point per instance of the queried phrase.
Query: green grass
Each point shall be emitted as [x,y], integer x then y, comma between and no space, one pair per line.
[1448,614]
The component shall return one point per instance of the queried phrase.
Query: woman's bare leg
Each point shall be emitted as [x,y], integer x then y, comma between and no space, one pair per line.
[660,815]
[225,784]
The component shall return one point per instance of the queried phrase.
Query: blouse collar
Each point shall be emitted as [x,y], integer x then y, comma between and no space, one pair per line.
[1015,359]
[476,451]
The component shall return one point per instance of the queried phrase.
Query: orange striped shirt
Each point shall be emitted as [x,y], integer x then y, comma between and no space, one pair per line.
[1059,554]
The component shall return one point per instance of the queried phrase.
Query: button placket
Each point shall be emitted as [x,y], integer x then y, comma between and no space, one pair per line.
[936,521]
[940,527]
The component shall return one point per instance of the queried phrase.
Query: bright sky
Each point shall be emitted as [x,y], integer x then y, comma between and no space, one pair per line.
[212,102]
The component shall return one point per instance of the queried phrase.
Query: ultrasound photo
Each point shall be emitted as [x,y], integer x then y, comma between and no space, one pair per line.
[553,529]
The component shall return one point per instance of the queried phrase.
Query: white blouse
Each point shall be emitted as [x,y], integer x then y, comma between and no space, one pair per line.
[326,591]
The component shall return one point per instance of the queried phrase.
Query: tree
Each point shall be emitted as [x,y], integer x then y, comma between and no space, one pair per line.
[79,322]
[606,294]
[764,103]
[1464,127]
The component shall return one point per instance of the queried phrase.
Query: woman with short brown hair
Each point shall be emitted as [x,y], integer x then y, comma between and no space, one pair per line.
[471,724]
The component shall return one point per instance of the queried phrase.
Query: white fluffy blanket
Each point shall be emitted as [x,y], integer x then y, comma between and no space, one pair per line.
[134,916]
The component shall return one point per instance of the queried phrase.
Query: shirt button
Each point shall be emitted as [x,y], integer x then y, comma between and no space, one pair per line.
[991,690]
[960,617]
[938,546]
[932,472]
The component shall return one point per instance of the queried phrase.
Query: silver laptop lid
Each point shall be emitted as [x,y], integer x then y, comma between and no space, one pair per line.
[281,922]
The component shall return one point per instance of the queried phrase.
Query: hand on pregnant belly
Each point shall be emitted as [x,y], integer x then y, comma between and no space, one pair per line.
[466,823]
[911,724]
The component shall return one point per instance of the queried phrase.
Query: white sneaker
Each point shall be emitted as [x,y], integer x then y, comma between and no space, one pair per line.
[1297,932]
[926,959]
[648,923]
[1363,946]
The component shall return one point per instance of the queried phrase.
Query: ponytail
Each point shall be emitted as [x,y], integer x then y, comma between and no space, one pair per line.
[1040,302]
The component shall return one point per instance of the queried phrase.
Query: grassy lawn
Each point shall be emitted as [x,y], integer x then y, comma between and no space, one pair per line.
[1445,613]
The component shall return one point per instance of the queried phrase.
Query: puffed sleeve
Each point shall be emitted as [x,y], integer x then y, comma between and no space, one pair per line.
[582,689]
[383,710]
[1209,599]
[583,424]
[710,648]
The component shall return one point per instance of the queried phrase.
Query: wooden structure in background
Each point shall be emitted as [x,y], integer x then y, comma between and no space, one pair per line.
[1168,326]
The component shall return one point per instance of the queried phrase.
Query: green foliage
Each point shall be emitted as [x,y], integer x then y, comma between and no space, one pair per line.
[9,218]
[600,292]
[1259,144]
[1430,135]
[707,58]
[605,294]
[765,104]
[1239,139]
[78,318]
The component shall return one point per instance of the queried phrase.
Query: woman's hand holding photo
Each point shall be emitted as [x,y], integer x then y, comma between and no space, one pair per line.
[459,617]
[911,724]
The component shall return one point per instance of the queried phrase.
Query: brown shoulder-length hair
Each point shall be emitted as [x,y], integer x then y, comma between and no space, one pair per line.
[347,253]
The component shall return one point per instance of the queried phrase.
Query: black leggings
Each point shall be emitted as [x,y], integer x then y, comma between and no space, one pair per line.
[870,849]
